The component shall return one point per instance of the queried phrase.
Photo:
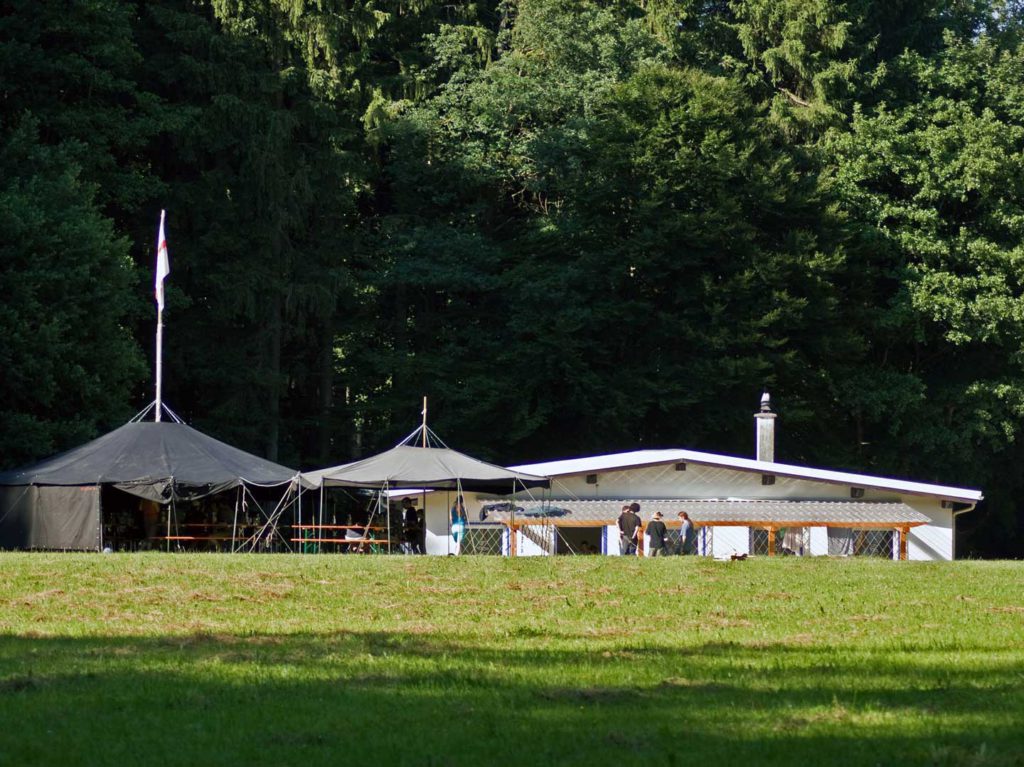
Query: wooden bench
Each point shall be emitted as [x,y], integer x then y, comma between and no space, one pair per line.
[357,541]
[332,527]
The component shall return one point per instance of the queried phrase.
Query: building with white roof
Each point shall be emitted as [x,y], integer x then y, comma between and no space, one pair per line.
[739,506]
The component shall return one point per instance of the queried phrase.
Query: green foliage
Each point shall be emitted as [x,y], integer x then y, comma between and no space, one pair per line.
[935,189]
[618,280]
[65,277]
[72,66]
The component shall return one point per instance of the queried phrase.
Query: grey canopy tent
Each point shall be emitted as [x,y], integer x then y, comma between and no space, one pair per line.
[421,461]
[423,467]
[55,504]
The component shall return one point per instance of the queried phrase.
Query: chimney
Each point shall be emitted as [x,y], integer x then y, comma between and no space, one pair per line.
[765,420]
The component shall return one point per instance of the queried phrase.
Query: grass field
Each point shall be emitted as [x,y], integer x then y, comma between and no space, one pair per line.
[266,660]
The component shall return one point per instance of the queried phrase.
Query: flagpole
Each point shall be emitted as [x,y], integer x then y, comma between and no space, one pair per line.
[424,420]
[160,324]
[159,360]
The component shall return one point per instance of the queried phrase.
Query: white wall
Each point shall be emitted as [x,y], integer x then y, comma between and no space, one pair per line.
[438,517]
[696,482]
[439,540]
[526,547]
[818,542]
[611,541]
[729,540]
[932,541]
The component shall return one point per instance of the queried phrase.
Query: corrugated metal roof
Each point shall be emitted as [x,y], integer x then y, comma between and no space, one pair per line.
[637,458]
[844,513]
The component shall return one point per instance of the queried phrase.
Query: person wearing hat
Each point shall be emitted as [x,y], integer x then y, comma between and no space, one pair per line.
[658,536]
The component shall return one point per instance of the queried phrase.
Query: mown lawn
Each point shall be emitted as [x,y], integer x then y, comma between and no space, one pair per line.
[266,660]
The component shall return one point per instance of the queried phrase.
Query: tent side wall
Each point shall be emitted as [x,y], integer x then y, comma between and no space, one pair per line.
[33,517]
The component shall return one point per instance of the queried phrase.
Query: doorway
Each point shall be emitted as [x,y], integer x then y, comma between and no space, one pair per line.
[578,540]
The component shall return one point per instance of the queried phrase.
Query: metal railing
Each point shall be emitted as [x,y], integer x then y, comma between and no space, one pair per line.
[485,539]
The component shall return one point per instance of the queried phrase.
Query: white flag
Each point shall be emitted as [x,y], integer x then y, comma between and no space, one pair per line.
[163,266]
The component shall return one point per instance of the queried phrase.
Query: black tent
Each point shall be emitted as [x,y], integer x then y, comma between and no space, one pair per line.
[55,504]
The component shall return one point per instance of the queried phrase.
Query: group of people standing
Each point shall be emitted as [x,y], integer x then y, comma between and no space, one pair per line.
[631,528]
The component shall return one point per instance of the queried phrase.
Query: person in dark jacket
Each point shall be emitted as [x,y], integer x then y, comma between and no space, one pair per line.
[629,528]
[408,526]
[657,535]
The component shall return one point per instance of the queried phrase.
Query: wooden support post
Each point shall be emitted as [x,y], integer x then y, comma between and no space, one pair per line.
[640,540]
[903,542]
[771,541]
[512,540]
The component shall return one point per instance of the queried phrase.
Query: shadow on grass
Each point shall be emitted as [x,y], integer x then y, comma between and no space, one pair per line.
[421,699]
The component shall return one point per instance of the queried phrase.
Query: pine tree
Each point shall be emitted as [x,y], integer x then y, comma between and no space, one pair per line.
[67,355]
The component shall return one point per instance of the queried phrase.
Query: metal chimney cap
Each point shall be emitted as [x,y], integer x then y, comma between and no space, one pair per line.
[766,406]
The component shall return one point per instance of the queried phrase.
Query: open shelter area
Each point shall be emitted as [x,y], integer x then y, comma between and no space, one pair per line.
[259,660]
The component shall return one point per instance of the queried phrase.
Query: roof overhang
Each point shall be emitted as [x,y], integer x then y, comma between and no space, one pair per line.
[639,459]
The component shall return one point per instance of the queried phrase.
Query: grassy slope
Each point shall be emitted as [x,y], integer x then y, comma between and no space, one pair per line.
[267,660]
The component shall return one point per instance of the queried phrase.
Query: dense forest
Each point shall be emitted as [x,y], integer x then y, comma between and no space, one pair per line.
[576,226]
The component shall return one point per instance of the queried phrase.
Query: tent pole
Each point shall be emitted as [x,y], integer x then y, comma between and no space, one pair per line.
[258,527]
[269,529]
[383,500]
[167,540]
[463,520]
[174,513]
[299,523]
[421,535]
[512,523]
[319,533]
[234,526]
[100,515]
[424,420]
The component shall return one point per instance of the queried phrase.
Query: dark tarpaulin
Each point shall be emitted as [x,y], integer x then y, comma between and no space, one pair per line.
[33,517]
[55,504]
[154,460]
